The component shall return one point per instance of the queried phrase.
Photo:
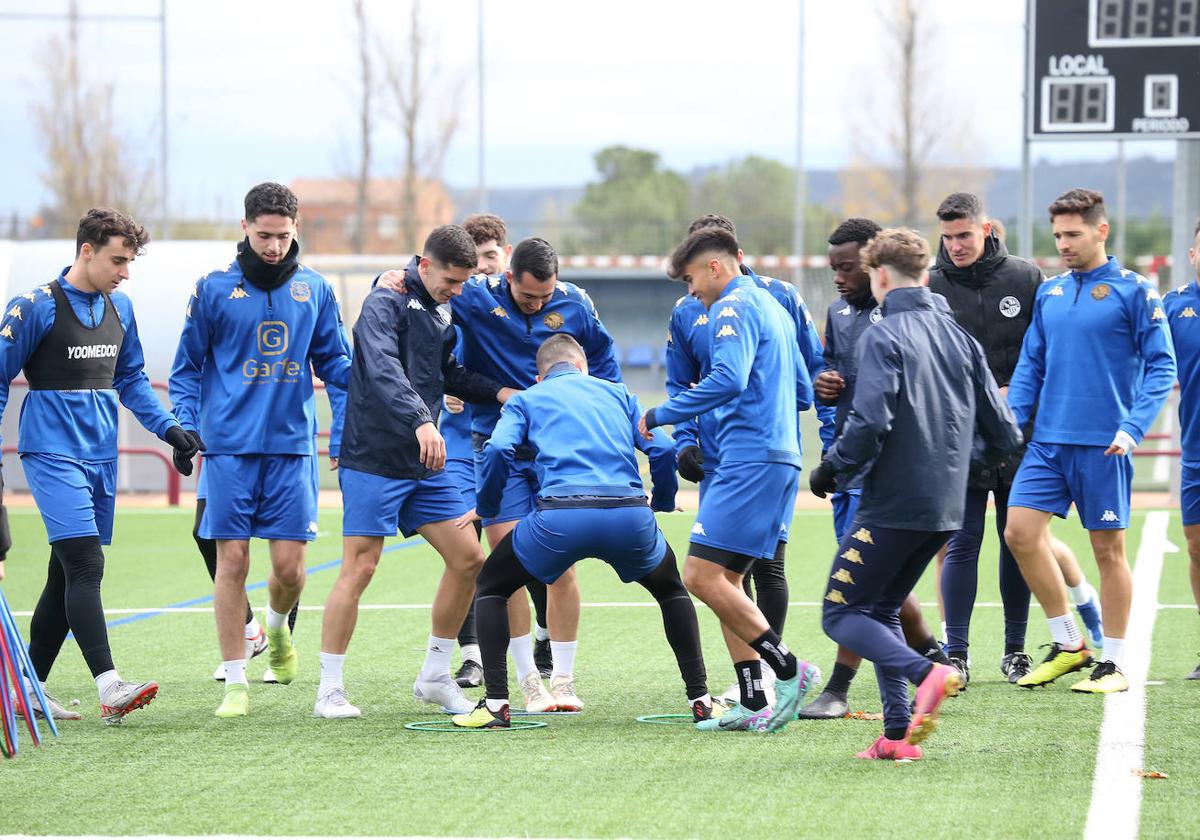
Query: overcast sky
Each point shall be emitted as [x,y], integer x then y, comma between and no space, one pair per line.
[268,89]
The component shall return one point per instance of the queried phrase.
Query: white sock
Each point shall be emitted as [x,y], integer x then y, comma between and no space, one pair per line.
[495,705]
[29,685]
[437,658]
[1114,651]
[253,628]
[275,620]
[705,698]
[331,671]
[235,672]
[1082,593]
[944,637]
[521,650]
[106,682]
[470,653]
[1065,632]
[564,658]
[540,633]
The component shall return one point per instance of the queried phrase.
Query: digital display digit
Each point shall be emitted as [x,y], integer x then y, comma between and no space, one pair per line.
[1119,23]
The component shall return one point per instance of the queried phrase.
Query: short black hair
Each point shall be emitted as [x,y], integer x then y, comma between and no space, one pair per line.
[703,241]
[102,223]
[856,229]
[451,245]
[534,256]
[962,205]
[713,220]
[560,347]
[271,199]
[1087,204]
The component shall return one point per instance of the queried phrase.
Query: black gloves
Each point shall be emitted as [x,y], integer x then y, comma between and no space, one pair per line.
[821,480]
[690,461]
[185,445]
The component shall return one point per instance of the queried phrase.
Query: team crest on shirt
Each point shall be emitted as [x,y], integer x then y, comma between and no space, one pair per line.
[864,536]
[238,293]
[301,291]
[836,596]
[1010,307]
[499,312]
[553,320]
[1056,291]
[851,555]
[1101,291]
[843,576]
[1159,314]
[876,315]
[701,321]
[1188,312]
[15,312]
[728,312]
[726,330]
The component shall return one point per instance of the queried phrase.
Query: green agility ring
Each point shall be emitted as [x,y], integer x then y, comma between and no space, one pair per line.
[447,726]
[667,720]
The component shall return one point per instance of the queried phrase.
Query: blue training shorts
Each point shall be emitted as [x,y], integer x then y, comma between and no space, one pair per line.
[784,530]
[376,506]
[519,498]
[462,473]
[548,542]
[1053,475]
[746,507]
[202,481]
[75,498]
[273,497]
[845,505]
[1189,495]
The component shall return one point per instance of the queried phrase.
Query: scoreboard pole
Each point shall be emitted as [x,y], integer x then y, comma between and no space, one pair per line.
[1186,208]
[1025,213]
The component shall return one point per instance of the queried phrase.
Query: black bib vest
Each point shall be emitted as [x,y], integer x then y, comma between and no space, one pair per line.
[73,357]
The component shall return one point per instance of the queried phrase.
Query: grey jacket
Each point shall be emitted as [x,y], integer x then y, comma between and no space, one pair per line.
[923,393]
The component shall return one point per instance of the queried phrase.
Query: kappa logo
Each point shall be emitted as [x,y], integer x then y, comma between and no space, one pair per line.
[1188,312]
[836,596]
[312,527]
[1159,314]
[238,293]
[699,530]
[851,555]
[864,536]
[845,311]
[726,330]
[728,312]
[1108,516]
[843,576]
[1057,291]
[29,296]
[413,303]
[701,321]
[15,312]
[46,291]
[1010,307]
[669,339]
[499,312]
[7,332]
[1152,294]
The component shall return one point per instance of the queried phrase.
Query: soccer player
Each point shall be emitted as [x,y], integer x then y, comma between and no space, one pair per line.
[1182,306]
[756,383]
[922,395]
[77,340]
[591,503]
[688,343]
[991,294]
[242,377]
[847,318]
[1097,363]
[392,465]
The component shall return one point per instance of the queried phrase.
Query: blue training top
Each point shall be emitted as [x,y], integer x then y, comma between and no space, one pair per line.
[241,373]
[585,431]
[756,383]
[456,428]
[1183,314]
[1097,358]
[81,425]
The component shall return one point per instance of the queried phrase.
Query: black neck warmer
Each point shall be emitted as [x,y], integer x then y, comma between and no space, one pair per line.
[264,275]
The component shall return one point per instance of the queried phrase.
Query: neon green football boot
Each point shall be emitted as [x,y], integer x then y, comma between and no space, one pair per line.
[1058,662]
[236,702]
[283,658]
[1106,678]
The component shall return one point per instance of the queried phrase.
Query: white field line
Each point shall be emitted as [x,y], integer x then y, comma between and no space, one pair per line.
[1116,792]
[1162,464]
[591,605]
[216,837]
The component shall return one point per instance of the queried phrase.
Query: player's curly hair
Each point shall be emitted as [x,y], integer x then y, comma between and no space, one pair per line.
[903,250]
[102,223]
[856,229]
[271,199]
[713,220]
[486,226]
[1087,204]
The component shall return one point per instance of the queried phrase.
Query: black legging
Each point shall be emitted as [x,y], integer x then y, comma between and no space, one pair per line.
[771,586]
[208,550]
[70,602]
[503,574]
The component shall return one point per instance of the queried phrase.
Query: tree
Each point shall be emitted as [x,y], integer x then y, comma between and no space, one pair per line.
[365,115]
[425,107]
[637,206]
[758,194]
[88,164]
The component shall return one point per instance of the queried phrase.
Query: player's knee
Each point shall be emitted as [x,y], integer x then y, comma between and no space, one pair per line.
[1193,543]
[466,563]
[290,576]
[1021,541]
[697,581]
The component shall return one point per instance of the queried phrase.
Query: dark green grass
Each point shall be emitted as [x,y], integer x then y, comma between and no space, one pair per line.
[1005,763]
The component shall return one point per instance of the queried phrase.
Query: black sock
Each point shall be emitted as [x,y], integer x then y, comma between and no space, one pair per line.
[749,676]
[772,649]
[292,618]
[895,734]
[932,651]
[1011,649]
[537,594]
[839,681]
[466,633]
[958,654]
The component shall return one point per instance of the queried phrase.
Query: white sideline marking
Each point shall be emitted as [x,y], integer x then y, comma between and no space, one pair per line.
[220,837]
[1116,791]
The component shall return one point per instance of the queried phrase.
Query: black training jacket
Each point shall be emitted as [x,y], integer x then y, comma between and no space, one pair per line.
[923,394]
[993,301]
[403,365]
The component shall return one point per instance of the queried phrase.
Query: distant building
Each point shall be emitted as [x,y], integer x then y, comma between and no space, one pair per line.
[328,214]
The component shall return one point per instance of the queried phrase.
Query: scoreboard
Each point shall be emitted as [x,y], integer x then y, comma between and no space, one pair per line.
[1113,69]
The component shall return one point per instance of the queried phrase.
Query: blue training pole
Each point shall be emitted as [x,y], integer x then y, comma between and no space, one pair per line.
[24,663]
